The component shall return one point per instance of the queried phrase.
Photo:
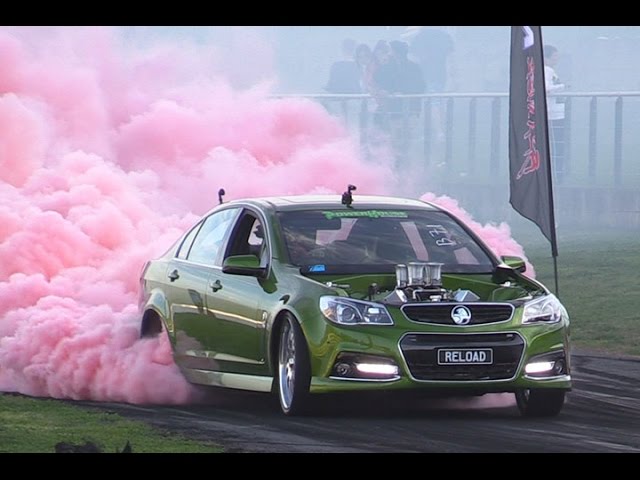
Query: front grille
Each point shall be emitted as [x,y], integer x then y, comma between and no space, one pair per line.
[440,313]
[420,351]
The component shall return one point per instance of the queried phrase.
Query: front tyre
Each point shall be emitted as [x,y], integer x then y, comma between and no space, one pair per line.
[540,402]
[294,371]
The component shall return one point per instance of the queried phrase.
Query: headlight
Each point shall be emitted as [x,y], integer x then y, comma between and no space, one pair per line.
[547,309]
[346,311]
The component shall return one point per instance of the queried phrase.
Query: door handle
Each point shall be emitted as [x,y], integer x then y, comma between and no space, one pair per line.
[173,276]
[215,286]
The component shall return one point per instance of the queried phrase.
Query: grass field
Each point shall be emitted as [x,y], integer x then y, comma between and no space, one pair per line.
[33,425]
[598,273]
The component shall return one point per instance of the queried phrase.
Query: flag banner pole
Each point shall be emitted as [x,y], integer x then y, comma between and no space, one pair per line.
[530,167]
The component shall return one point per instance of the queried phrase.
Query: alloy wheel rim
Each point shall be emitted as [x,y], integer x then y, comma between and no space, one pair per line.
[286,363]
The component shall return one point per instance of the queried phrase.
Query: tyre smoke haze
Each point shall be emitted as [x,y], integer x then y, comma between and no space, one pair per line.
[107,154]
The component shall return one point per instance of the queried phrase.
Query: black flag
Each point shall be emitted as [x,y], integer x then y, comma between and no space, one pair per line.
[529,158]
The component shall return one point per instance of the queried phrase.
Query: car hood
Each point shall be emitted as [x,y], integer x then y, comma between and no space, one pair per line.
[465,287]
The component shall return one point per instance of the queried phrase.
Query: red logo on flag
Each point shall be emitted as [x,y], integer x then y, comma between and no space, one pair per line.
[531,155]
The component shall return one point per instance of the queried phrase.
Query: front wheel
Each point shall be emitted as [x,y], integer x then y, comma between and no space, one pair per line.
[540,402]
[294,371]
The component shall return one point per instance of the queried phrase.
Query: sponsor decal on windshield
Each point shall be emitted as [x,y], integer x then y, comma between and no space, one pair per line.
[441,235]
[317,268]
[364,213]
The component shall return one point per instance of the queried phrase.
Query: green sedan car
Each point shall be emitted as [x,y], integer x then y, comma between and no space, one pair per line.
[305,295]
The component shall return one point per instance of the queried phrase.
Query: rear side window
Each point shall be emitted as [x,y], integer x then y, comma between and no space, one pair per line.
[187,242]
[209,240]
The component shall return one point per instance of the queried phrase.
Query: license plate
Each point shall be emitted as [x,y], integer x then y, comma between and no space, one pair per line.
[465,356]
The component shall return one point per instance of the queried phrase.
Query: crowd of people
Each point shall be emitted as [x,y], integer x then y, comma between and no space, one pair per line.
[395,68]
[381,72]
[389,66]
[389,70]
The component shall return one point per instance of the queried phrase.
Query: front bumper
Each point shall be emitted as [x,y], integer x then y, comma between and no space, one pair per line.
[414,351]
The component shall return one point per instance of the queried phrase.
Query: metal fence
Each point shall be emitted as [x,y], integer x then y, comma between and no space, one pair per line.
[459,143]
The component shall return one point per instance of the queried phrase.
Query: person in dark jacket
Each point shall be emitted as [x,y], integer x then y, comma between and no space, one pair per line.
[345,75]
[409,76]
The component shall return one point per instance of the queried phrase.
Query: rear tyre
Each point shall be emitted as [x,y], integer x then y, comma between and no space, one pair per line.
[540,402]
[293,375]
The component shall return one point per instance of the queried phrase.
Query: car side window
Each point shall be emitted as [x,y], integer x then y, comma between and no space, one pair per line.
[249,238]
[208,242]
[256,237]
[187,242]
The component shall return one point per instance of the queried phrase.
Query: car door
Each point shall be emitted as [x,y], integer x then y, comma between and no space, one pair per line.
[188,276]
[236,300]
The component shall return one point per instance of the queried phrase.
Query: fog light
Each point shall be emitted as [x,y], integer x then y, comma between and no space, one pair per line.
[358,366]
[343,369]
[538,367]
[377,368]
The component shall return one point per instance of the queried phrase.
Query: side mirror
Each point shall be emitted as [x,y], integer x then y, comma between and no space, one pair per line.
[243,265]
[516,263]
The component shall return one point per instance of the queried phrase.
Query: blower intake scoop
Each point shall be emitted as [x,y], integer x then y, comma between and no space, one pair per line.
[419,282]
[419,274]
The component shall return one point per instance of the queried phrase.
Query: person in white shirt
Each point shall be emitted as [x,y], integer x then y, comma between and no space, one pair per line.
[555,110]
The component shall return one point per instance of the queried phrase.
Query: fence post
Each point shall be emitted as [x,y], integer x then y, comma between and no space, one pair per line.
[593,141]
[473,110]
[403,137]
[448,151]
[427,131]
[617,144]
[494,161]
[345,111]
[567,137]
[364,119]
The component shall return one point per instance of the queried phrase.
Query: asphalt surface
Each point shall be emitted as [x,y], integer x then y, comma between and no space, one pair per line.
[602,414]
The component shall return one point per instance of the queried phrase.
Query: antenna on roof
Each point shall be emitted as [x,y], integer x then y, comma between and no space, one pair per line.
[221,193]
[347,198]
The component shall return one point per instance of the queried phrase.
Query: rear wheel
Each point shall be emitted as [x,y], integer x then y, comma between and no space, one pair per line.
[540,402]
[294,371]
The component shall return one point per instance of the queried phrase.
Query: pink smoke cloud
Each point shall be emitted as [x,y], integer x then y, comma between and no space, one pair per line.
[104,164]
[106,156]
[22,140]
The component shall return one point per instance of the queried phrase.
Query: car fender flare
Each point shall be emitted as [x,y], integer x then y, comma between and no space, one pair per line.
[158,303]
[272,336]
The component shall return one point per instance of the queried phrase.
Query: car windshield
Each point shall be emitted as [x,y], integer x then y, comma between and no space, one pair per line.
[374,241]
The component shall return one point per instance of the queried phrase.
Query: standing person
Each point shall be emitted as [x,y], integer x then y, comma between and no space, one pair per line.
[379,79]
[408,80]
[555,110]
[364,61]
[384,78]
[432,48]
[344,76]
